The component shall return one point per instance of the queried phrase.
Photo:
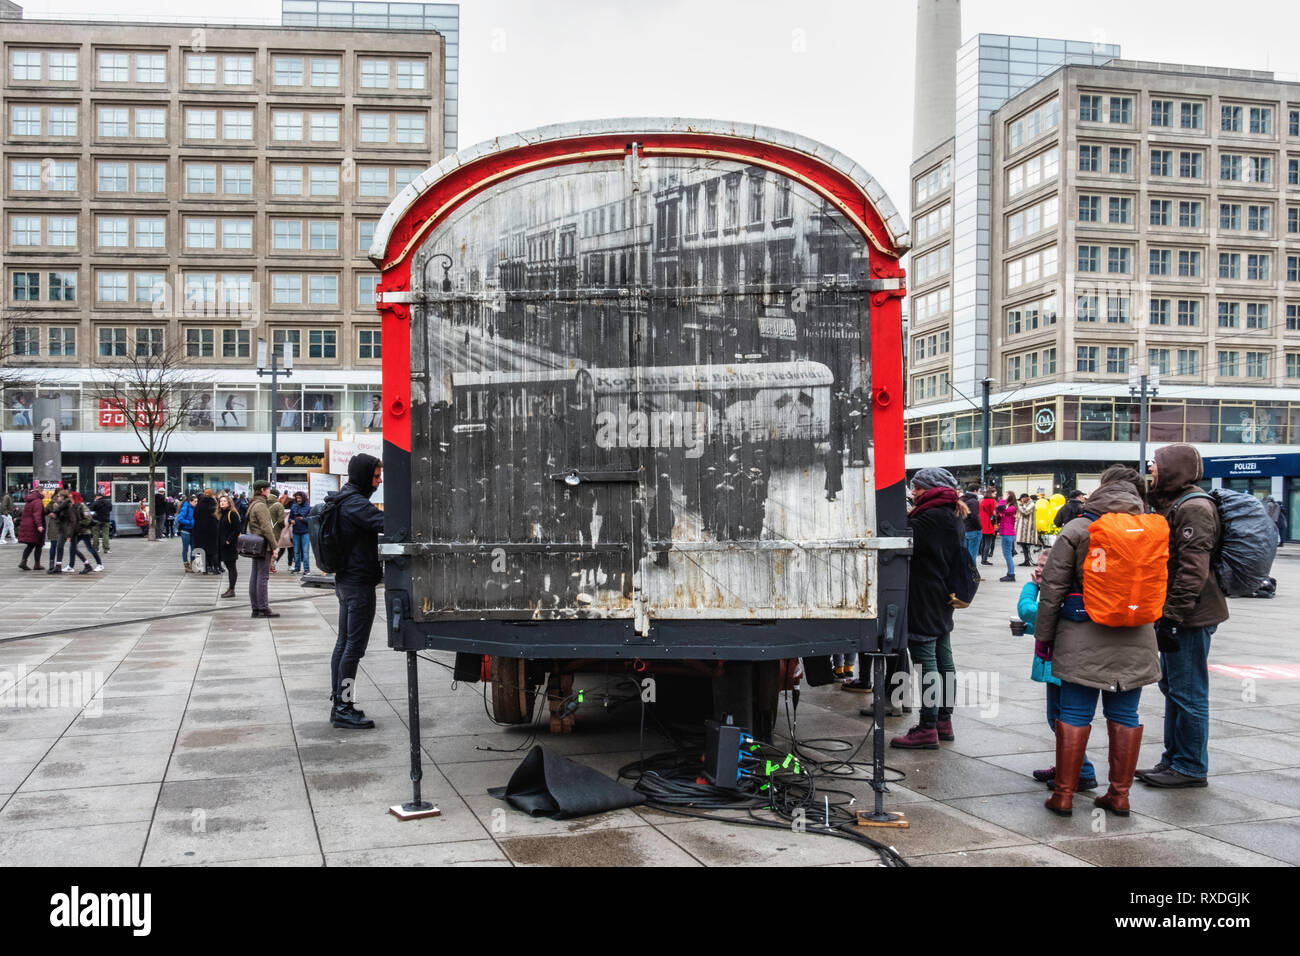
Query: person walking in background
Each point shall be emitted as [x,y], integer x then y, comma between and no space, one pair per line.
[229,526]
[1026,528]
[1041,672]
[1091,658]
[298,513]
[60,525]
[159,514]
[31,531]
[360,524]
[185,525]
[7,534]
[970,498]
[205,531]
[84,523]
[1072,508]
[142,518]
[988,506]
[102,511]
[173,506]
[1277,514]
[1005,520]
[938,536]
[260,522]
[242,504]
[1194,608]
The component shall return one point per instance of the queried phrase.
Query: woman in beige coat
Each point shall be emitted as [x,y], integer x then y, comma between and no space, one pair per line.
[1026,528]
[1092,659]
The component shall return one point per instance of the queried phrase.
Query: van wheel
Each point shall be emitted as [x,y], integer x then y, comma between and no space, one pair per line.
[513,696]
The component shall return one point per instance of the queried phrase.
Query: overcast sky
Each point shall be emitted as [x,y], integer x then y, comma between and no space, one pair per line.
[839,71]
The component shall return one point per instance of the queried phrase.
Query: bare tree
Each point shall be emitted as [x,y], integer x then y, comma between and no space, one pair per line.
[18,331]
[155,392]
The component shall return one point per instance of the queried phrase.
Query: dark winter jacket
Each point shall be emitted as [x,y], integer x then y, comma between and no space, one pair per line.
[102,509]
[228,526]
[360,525]
[205,525]
[85,519]
[31,526]
[298,514]
[971,500]
[185,517]
[1193,598]
[60,520]
[1069,511]
[1084,652]
[938,535]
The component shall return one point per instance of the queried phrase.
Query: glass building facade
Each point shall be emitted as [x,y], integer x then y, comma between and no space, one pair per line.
[443,17]
[991,68]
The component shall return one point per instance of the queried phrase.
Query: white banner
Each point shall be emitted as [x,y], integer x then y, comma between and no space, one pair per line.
[319,485]
[341,452]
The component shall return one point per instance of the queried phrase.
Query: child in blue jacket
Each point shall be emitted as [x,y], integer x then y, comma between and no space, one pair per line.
[1041,671]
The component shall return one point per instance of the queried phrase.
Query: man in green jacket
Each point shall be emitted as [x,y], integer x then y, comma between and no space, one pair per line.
[261,522]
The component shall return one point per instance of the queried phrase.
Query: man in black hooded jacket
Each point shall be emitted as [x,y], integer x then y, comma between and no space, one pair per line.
[360,524]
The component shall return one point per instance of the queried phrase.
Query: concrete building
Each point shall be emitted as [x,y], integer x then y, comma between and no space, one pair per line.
[1131,214]
[205,186]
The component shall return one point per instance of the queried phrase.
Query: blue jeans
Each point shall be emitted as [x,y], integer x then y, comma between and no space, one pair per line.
[1009,552]
[302,552]
[973,545]
[1079,705]
[1185,682]
[185,545]
[1054,714]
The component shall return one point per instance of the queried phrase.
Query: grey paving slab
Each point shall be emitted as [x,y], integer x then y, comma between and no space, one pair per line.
[1026,815]
[85,806]
[1163,848]
[107,844]
[1277,786]
[1034,855]
[469,853]
[644,846]
[1279,839]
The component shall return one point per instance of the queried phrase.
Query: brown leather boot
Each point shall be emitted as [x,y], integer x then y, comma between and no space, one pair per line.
[1124,744]
[1071,744]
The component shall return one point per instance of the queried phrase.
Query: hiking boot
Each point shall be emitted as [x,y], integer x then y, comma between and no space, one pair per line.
[1123,757]
[944,729]
[230,592]
[346,717]
[1071,745]
[86,570]
[23,567]
[919,737]
[1169,778]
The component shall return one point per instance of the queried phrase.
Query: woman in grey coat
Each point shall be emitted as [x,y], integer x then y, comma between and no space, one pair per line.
[1092,659]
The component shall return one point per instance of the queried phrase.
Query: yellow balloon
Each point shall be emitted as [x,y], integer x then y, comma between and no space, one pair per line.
[1058,500]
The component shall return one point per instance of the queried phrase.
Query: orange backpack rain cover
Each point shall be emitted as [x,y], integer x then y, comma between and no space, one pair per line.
[1126,570]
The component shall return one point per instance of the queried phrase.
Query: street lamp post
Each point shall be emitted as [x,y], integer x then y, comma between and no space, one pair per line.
[275,374]
[1143,388]
[985,384]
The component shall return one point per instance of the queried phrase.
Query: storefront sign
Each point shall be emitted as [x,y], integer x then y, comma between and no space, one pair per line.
[287,460]
[1045,420]
[1251,466]
[128,460]
[112,414]
[104,487]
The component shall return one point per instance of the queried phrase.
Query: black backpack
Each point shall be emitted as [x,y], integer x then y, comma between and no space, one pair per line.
[324,529]
[963,579]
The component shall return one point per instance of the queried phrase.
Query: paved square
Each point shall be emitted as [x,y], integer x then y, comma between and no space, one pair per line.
[205,740]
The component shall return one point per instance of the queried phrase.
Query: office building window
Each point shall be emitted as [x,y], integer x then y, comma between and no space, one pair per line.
[201,124]
[323,289]
[288,70]
[1121,159]
[63,341]
[112,232]
[1189,362]
[374,74]
[1191,115]
[1119,260]
[324,180]
[1158,312]
[1160,359]
[322,343]
[1162,112]
[148,342]
[63,286]
[150,124]
[1117,310]
[1229,215]
[283,340]
[1229,315]
[200,178]
[1089,209]
[1189,263]
[1189,165]
[235,343]
[410,128]
[1258,266]
[324,71]
[237,124]
[1161,212]
[237,70]
[287,181]
[236,179]
[1162,162]
[112,342]
[1121,110]
[113,121]
[286,125]
[369,345]
[25,230]
[200,69]
[25,286]
[150,68]
[63,121]
[61,231]
[1117,359]
[1230,119]
[1293,268]
[149,233]
[113,67]
[324,127]
[1089,159]
[1228,363]
[1089,259]
[200,343]
[1085,358]
[1189,214]
[1257,315]
[1229,265]
[410,75]
[1087,309]
[237,234]
[365,234]
[286,289]
[1089,108]
[1189,313]
[1120,210]
[324,234]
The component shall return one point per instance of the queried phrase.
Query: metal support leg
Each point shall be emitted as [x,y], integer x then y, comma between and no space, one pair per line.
[879,817]
[417,808]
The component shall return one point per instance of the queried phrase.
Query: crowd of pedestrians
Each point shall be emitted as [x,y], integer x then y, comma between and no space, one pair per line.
[65,521]
[1084,653]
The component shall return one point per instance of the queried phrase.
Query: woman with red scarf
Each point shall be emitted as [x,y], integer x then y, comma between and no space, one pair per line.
[938,538]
